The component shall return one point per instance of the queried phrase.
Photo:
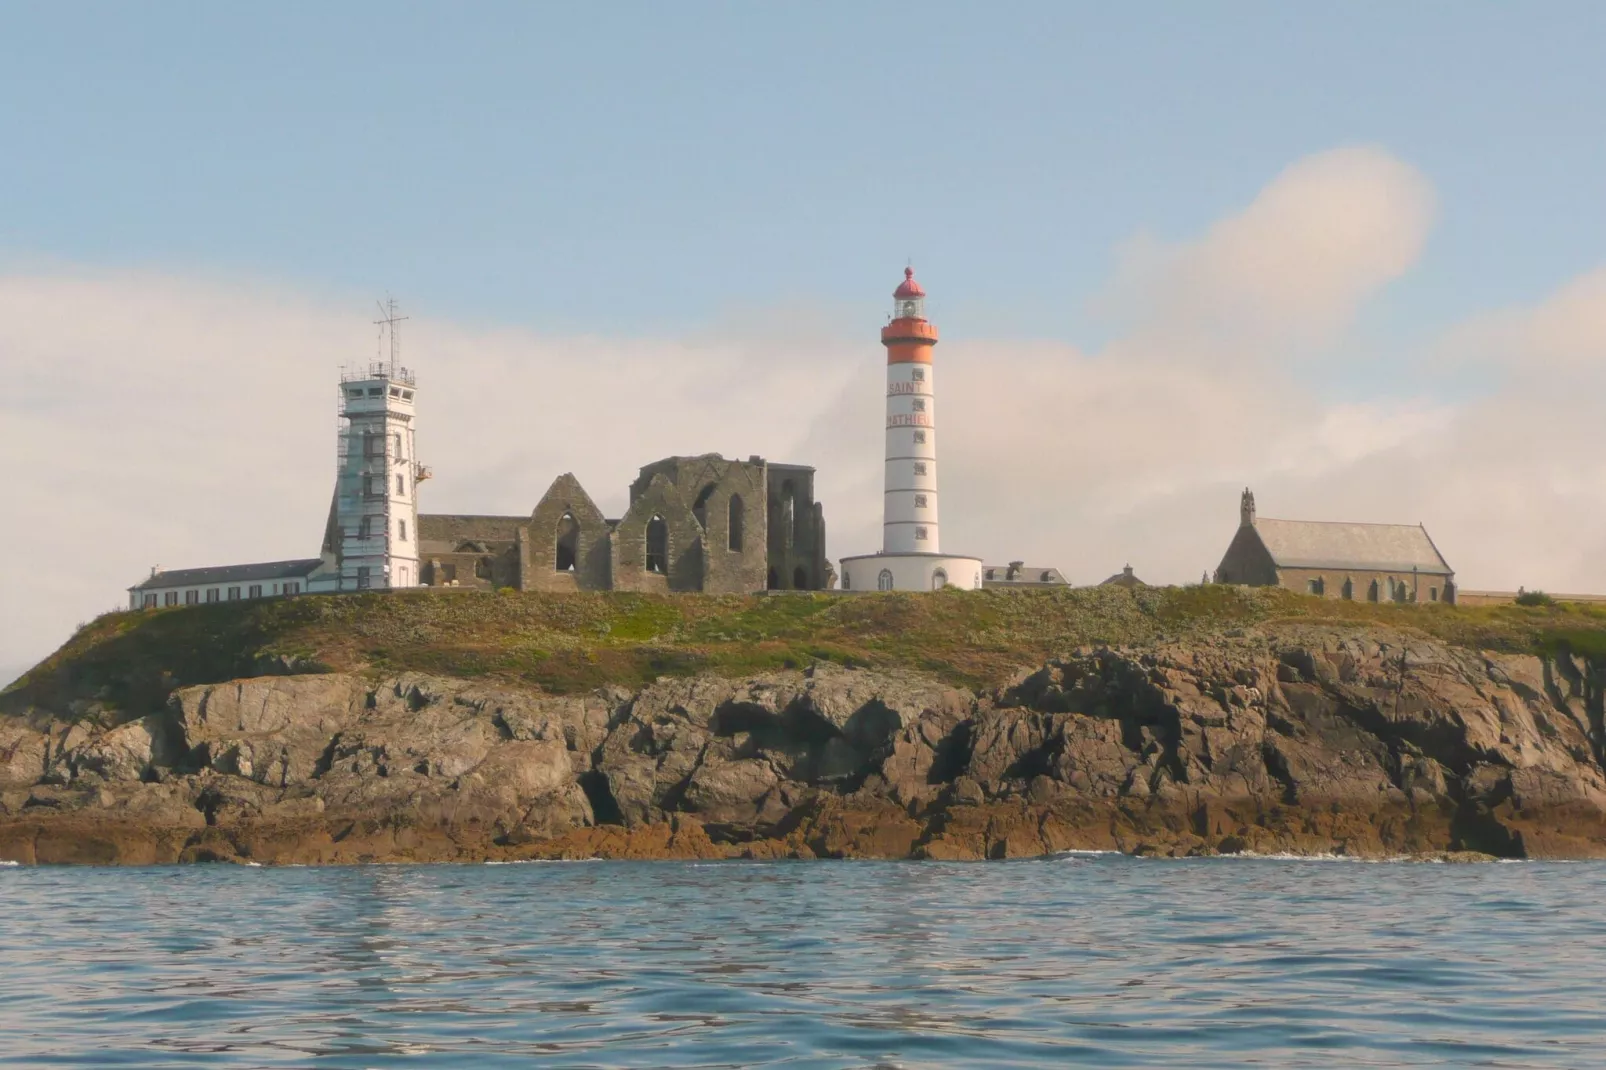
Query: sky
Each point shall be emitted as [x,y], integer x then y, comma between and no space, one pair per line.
[1353,256]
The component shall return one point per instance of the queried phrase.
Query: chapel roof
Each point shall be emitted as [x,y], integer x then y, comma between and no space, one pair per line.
[1343,545]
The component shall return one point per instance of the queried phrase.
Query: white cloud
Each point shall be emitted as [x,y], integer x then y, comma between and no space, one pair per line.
[1290,270]
[158,420]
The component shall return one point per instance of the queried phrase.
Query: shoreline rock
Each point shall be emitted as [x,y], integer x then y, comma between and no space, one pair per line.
[1317,741]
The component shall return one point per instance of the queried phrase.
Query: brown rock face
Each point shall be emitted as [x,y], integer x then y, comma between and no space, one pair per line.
[1369,744]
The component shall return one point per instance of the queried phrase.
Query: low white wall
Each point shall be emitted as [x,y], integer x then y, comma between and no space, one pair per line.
[910,572]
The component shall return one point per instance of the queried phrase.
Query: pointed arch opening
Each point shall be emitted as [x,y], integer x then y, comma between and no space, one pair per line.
[800,579]
[699,508]
[568,545]
[738,520]
[787,505]
[883,581]
[939,580]
[773,581]
[657,545]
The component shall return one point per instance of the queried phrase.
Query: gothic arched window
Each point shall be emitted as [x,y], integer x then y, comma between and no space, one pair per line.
[657,545]
[787,530]
[939,580]
[737,521]
[699,508]
[883,582]
[568,547]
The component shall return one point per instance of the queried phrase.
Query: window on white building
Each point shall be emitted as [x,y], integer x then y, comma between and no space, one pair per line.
[920,438]
[401,530]
[401,485]
[148,602]
[883,582]
[920,501]
[292,587]
[920,404]
[395,440]
[234,594]
[254,591]
[920,468]
[212,594]
[170,598]
[939,580]
[918,374]
[192,598]
[920,534]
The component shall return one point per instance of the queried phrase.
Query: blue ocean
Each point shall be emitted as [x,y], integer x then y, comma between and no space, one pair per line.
[1074,961]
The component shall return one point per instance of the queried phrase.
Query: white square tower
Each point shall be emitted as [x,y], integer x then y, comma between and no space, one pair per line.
[376,485]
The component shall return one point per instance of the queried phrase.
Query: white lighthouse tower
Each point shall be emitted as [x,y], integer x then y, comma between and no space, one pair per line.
[374,526]
[911,555]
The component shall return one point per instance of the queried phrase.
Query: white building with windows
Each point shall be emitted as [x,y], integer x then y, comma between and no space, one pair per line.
[372,542]
[911,557]
[371,538]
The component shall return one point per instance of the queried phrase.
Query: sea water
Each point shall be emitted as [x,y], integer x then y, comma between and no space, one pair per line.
[1077,960]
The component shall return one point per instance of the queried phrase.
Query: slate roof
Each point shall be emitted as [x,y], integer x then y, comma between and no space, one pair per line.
[1361,547]
[207,577]
[1026,575]
[1124,578]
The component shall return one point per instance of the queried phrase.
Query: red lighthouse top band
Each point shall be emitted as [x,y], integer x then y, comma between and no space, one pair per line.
[910,336]
[908,287]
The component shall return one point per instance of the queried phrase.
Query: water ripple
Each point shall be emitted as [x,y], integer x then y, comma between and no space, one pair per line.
[1078,960]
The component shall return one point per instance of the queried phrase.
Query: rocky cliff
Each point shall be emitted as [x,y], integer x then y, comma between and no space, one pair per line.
[1298,739]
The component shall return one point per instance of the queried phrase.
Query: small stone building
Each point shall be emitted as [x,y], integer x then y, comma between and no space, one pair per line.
[1365,562]
[1125,578]
[693,524]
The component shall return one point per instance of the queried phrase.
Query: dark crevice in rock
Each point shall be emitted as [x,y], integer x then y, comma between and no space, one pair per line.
[326,760]
[953,753]
[1277,769]
[604,807]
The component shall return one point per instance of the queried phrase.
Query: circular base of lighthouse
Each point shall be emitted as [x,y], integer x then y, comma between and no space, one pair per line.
[910,572]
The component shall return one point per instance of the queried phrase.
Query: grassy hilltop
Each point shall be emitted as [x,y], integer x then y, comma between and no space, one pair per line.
[569,642]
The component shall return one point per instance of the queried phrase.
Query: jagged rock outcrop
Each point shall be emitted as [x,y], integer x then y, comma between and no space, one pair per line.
[1322,741]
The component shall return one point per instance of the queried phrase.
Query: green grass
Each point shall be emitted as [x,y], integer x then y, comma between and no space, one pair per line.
[130,661]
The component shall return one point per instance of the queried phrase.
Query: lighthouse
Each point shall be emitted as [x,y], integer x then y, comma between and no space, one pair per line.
[911,556]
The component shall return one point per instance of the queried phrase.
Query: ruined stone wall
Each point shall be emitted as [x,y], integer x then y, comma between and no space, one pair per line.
[796,530]
[473,551]
[682,568]
[498,568]
[446,532]
[591,566]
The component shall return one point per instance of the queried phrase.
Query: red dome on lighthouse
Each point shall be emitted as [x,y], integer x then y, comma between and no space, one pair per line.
[908,287]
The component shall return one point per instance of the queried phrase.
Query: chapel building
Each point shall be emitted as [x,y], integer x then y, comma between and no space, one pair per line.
[1363,562]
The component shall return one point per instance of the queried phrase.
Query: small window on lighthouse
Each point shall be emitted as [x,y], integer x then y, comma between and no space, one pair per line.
[920,501]
[918,374]
[920,534]
[920,468]
[920,438]
[920,404]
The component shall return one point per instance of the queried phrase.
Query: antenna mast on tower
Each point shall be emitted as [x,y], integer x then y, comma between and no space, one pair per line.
[387,324]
